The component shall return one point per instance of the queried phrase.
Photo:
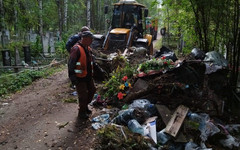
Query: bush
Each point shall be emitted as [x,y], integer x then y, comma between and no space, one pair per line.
[15,82]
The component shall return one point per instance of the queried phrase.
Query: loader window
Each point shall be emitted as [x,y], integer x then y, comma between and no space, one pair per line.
[125,16]
[116,18]
[129,20]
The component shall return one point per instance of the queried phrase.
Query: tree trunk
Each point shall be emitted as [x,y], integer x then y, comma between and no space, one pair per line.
[40,4]
[88,13]
[1,21]
[1,15]
[60,18]
[16,17]
[65,14]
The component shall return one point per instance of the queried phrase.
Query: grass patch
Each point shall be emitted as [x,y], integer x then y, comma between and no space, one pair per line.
[10,83]
[70,100]
[158,44]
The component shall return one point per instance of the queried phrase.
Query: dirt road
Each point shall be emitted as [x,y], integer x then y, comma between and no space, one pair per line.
[32,118]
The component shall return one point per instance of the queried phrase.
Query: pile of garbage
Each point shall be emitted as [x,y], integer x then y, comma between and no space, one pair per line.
[174,104]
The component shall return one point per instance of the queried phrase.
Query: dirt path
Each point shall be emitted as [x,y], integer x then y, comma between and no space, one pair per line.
[30,119]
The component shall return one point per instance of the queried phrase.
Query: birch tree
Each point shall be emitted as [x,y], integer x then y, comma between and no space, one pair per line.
[1,19]
[65,13]
[89,13]
[40,5]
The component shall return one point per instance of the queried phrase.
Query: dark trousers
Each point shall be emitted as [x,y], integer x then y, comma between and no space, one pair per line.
[86,91]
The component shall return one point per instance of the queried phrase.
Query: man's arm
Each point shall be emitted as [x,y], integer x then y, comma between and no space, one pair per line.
[74,56]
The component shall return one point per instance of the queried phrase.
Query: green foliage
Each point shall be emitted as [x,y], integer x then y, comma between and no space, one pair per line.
[158,44]
[50,15]
[70,100]
[36,47]
[111,87]
[13,45]
[15,82]
[156,64]
[60,48]
[112,137]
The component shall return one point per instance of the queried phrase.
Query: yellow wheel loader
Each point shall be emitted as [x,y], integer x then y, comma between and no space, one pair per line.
[128,27]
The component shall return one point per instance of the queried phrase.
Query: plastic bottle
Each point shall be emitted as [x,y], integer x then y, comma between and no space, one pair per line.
[162,137]
[135,127]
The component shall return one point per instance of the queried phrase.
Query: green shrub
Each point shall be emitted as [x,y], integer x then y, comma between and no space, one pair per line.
[15,82]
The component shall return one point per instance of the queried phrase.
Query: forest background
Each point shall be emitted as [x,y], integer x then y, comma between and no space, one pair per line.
[205,24]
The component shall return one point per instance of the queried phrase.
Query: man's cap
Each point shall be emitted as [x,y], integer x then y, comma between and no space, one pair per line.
[87,34]
[85,28]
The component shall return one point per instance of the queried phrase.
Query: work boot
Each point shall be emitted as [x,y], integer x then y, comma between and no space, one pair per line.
[88,111]
[83,115]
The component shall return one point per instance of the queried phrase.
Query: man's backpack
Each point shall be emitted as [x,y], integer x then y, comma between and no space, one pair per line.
[72,41]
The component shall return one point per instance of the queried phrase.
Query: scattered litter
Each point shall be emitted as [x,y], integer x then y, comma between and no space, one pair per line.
[74,93]
[60,126]
[162,137]
[165,52]
[206,127]
[230,142]
[140,103]
[233,128]
[193,146]
[135,127]
[4,104]
[100,121]
[197,53]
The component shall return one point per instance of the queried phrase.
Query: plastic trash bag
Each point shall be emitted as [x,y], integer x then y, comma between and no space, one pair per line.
[217,62]
[165,52]
[233,128]
[209,129]
[163,138]
[124,116]
[140,114]
[206,127]
[230,142]
[140,103]
[194,146]
[144,103]
[135,127]
[151,109]
[216,58]
[197,53]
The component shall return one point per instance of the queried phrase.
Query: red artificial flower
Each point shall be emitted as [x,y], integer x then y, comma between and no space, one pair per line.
[120,95]
[165,63]
[125,78]
[164,57]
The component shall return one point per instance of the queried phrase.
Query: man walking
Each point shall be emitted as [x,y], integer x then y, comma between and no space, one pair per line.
[80,71]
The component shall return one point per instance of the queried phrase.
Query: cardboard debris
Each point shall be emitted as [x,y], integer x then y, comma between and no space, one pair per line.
[176,121]
[166,115]
[164,112]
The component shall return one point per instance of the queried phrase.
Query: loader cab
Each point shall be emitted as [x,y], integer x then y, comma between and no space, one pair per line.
[127,14]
